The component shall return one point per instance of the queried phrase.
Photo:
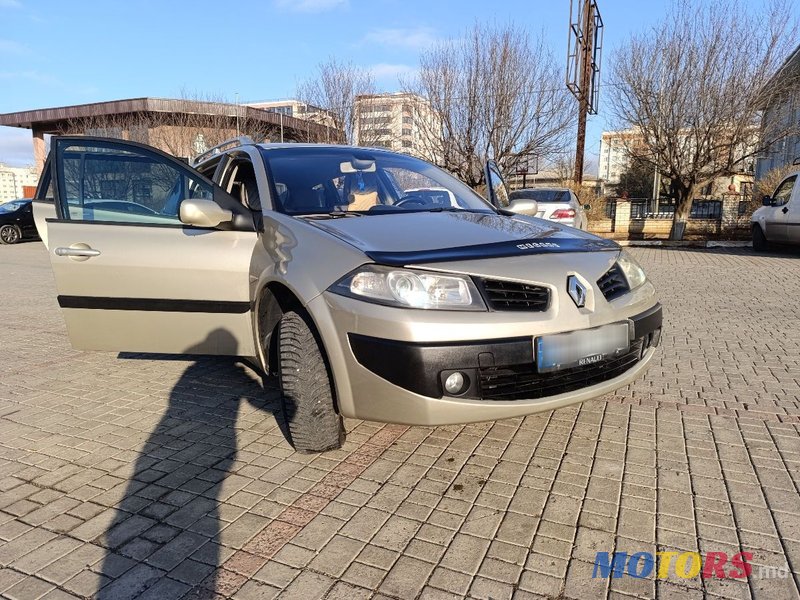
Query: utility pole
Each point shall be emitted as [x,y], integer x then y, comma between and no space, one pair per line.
[583,68]
[237,115]
[583,101]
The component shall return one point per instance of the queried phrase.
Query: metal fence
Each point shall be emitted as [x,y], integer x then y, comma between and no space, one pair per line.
[642,208]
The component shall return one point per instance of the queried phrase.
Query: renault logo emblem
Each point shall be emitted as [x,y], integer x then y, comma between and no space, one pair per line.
[577,291]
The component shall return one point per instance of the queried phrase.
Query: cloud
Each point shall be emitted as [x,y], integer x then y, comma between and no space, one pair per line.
[12,47]
[16,147]
[10,4]
[415,38]
[309,6]
[388,70]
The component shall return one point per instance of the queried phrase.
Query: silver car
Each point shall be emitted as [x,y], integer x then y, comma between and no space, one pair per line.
[778,221]
[555,204]
[328,268]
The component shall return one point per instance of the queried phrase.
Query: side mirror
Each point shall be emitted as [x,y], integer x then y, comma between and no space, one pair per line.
[203,213]
[524,206]
[766,201]
[587,207]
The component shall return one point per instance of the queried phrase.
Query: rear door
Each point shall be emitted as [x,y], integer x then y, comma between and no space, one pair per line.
[778,214]
[793,218]
[142,281]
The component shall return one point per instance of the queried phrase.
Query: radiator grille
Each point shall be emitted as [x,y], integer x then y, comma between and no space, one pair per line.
[515,295]
[613,284]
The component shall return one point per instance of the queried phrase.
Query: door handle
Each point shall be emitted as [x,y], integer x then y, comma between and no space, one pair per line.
[77,252]
[785,209]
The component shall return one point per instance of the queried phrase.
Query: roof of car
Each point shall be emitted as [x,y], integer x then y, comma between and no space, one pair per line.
[292,146]
[281,146]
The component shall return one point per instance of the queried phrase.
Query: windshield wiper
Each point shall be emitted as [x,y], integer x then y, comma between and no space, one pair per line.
[454,209]
[335,214]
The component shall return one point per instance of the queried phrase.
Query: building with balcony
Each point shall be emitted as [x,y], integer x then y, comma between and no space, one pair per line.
[297,109]
[617,147]
[398,121]
[17,182]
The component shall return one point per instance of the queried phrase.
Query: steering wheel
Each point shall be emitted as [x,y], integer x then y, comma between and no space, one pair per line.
[411,200]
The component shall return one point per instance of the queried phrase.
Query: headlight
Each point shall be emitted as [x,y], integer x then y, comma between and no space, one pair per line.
[632,270]
[408,288]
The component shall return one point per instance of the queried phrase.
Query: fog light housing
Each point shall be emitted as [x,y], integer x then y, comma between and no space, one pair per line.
[456,383]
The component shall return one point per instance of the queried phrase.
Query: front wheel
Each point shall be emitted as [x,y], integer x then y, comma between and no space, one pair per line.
[759,239]
[306,385]
[9,234]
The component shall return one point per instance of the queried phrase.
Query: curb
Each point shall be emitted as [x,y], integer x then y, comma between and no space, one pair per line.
[698,244]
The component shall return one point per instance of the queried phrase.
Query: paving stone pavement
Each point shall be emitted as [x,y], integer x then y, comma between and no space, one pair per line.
[135,476]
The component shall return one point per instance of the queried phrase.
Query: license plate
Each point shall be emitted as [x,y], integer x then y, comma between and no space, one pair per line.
[581,348]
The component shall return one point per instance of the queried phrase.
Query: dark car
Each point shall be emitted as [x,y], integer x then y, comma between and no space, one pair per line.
[16,222]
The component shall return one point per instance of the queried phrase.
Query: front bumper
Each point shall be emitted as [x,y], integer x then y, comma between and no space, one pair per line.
[495,369]
[383,372]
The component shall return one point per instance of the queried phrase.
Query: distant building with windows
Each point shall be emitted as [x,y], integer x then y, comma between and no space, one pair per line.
[782,114]
[614,153]
[297,109]
[616,148]
[398,121]
[15,180]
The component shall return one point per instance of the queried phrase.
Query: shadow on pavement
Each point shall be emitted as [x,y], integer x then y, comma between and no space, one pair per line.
[170,510]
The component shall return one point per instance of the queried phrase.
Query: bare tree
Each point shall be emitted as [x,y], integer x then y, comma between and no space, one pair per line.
[496,93]
[693,86]
[334,88]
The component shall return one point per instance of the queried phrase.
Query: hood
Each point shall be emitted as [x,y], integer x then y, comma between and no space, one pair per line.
[425,237]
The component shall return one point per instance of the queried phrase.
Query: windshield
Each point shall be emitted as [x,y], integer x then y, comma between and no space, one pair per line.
[11,206]
[542,195]
[324,181]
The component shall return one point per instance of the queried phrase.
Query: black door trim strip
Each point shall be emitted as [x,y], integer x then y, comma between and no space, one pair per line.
[154,304]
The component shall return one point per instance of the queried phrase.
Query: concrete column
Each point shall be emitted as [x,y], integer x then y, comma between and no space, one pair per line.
[730,212]
[622,217]
[39,149]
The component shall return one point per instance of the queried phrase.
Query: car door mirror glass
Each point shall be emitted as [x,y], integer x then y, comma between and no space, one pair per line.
[203,213]
[766,201]
[524,206]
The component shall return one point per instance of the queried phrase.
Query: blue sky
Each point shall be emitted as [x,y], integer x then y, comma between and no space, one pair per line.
[55,53]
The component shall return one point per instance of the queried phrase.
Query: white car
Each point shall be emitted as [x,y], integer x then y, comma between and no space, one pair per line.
[555,204]
[778,220]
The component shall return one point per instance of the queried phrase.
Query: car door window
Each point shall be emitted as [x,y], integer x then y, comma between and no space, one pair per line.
[103,181]
[784,191]
[496,187]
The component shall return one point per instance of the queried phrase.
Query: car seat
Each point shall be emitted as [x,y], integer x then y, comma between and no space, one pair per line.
[361,190]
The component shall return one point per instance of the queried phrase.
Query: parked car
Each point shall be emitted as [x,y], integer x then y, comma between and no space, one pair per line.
[367,301]
[16,221]
[556,204]
[778,220]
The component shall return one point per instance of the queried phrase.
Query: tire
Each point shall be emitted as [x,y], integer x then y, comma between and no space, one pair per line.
[306,386]
[760,243]
[10,234]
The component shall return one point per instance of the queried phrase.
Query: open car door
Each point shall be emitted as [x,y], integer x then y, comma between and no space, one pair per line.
[496,190]
[130,275]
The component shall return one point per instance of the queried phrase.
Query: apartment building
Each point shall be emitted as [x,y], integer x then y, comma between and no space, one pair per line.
[297,109]
[616,148]
[398,121]
[13,180]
